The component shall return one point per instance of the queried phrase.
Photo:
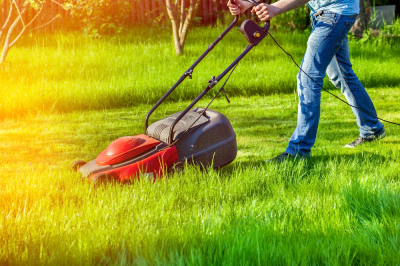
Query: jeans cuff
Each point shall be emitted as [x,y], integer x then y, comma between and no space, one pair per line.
[374,134]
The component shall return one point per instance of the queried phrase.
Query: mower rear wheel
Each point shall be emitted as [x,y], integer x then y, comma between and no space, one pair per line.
[102,180]
[78,164]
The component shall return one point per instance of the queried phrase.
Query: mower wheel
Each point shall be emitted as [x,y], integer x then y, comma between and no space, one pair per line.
[102,180]
[177,168]
[78,164]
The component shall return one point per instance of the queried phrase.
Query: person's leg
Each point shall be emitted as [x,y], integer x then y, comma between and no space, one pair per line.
[341,74]
[328,33]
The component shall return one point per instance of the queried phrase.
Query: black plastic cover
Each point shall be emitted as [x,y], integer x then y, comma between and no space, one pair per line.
[251,30]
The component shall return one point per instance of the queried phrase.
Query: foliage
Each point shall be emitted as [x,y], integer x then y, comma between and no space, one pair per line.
[296,19]
[380,2]
[388,35]
[36,4]
[393,29]
[98,17]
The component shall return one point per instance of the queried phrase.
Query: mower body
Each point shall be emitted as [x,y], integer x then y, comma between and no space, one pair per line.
[209,142]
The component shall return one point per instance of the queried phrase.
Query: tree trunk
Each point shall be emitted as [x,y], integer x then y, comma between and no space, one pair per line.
[173,16]
[181,15]
[360,24]
[6,45]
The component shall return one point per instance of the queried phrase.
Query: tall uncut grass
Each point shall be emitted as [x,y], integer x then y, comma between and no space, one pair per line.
[67,71]
[342,207]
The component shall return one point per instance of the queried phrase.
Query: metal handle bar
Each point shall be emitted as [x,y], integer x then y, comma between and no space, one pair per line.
[189,72]
[209,87]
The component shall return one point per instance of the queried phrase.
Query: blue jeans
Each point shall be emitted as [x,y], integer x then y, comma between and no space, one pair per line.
[328,51]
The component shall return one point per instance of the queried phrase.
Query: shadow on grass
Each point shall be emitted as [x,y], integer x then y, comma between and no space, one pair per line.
[307,163]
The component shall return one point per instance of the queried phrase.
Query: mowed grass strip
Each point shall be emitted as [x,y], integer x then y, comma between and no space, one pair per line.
[339,208]
[66,71]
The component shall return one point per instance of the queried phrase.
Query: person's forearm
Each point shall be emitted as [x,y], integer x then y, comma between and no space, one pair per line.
[287,5]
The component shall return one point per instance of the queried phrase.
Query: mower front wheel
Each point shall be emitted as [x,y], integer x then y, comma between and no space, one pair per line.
[78,164]
[102,180]
[176,168]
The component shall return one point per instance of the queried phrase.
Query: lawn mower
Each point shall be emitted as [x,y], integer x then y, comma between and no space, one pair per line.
[198,136]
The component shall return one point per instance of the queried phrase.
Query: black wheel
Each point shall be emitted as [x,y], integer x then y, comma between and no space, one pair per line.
[176,168]
[102,180]
[78,164]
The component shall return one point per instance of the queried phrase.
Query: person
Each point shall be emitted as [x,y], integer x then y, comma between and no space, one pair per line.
[327,52]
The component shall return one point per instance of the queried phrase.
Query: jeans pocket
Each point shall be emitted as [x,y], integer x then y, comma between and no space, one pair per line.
[326,18]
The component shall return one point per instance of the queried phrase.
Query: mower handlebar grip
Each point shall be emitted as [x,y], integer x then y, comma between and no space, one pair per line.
[267,23]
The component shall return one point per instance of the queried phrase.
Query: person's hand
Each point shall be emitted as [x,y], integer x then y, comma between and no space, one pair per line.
[238,7]
[265,12]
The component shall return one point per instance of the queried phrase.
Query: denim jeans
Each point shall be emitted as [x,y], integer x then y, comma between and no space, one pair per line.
[328,51]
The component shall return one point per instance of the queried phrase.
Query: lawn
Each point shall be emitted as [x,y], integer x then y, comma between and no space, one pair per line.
[342,207]
[65,72]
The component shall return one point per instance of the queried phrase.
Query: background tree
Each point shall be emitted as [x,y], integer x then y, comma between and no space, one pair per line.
[181,13]
[15,17]
[100,17]
[361,22]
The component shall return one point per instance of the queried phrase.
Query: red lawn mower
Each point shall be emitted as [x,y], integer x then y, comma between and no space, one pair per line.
[199,136]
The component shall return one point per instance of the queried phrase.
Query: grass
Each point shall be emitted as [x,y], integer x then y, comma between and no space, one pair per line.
[65,72]
[339,208]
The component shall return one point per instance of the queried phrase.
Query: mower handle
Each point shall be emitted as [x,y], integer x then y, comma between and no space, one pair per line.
[266,23]
[189,72]
[253,36]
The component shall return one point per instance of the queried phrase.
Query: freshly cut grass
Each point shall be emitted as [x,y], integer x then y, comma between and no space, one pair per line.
[339,208]
[65,72]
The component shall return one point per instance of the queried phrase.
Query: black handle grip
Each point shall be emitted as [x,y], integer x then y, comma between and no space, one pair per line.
[253,2]
[267,24]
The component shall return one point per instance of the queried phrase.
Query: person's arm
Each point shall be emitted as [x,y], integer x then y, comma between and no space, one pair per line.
[267,12]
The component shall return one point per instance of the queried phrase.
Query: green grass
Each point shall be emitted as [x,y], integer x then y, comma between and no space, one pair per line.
[342,207]
[67,72]
[59,104]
